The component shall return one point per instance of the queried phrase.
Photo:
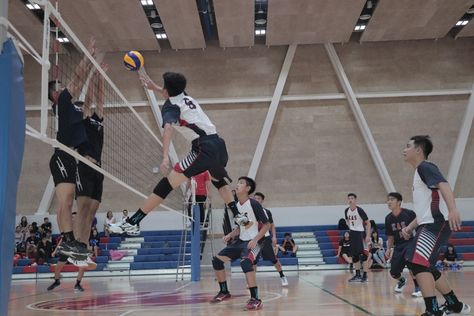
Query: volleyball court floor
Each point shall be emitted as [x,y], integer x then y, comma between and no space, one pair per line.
[308,293]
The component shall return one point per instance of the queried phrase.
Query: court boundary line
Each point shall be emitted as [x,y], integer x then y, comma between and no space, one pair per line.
[337,296]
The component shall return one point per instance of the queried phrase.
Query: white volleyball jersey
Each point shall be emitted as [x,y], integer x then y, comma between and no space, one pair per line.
[356,218]
[428,203]
[268,214]
[255,214]
[187,117]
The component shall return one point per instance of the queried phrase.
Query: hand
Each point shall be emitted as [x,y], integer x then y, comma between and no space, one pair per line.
[274,241]
[406,233]
[226,238]
[146,80]
[104,66]
[91,47]
[454,219]
[164,166]
[252,244]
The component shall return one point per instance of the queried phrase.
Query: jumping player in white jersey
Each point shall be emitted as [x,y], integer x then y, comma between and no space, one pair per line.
[246,245]
[270,242]
[357,220]
[436,216]
[208,150]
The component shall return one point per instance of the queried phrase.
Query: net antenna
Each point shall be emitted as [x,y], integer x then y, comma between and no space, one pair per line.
[131,148]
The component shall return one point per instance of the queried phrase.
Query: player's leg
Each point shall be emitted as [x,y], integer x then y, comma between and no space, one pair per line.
[57,272]
[357,248]
[397,265]
[268,253]
[229,253]
[246,263]
[80,275]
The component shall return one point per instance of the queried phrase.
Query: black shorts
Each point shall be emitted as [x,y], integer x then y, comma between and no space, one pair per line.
[357,243]
[89,182]
[238,250]
[207,153]
[63,167]
[425,247]
[267,252]
[398,262]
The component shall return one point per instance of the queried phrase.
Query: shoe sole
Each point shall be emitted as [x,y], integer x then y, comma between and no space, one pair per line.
[74,255]
[253,309]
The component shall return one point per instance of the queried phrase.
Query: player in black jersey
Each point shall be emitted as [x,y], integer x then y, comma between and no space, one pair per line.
[395,221]
[71,133]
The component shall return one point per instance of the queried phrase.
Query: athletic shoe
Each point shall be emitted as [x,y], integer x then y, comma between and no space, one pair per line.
[54,285]
[88,262]
[417,292]
[253,304]
[241,219]
[355,279]
[131,230]
[220,297]
[400,285]
[74,249]
[438,313]
[466,309]
[78,288]
[284,281]
[364,279]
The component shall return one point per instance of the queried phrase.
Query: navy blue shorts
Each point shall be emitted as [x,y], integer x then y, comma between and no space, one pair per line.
[237,249]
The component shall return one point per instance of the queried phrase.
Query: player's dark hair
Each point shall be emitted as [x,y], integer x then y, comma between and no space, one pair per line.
[250,183]
[260,194]
[352,194]
[287,235]
[424,142]
[396,195]
[174,83]
[51,89]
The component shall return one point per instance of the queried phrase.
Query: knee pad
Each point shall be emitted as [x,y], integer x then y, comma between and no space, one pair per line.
[246,265]
[355,259]
[217,263]
[396,276]
[220,183]
[416,268]
[363,257]
[436,274]
[163,188]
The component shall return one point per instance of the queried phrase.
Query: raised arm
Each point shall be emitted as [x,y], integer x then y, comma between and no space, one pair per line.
[81,72]
[148,83]
[87,107]
[100,91]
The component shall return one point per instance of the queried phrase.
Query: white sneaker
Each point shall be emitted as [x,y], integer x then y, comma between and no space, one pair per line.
[400,285]
[78,263]
[284,281]
[126,227]
[417,293]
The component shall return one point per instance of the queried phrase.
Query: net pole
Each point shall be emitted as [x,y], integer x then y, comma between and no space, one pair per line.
[44,71]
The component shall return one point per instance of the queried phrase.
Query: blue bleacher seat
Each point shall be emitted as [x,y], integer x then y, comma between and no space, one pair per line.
[24,262]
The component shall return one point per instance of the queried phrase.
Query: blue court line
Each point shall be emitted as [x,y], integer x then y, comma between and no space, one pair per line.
[338,297]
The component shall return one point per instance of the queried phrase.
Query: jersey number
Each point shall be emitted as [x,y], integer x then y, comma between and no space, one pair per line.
[190,104]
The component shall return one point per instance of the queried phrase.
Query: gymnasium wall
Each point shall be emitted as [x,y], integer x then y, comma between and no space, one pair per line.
[315,153]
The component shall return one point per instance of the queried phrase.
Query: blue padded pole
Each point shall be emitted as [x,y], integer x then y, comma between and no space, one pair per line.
[12,141]
[196,244]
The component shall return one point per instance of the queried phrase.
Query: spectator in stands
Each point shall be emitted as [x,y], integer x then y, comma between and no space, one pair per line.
[376,252]
[46,226]
[35,229]
[342,225]
[450,259]
[288,245]
[94,223]
[94,241]
[110,219]
[344,249]
[31,245]
[24,226]
[19,240]
[373,227]
[44,250]
[124,215]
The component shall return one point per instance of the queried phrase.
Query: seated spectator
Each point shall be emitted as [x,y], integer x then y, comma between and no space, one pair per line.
[376,252]
[31,245]
[94,241]
[46,226]
[342,225]
[373,227]
[35,229]
[44,250]
[19,239]
[344,250]
[450,259]
[109,219]
[288,245]
[24,226]
[124,215]
[94,223]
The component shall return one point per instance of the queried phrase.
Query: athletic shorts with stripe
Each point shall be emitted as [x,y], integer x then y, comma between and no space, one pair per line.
[63,167]
[237,249]
[398,261]
[424,249]
[89,182]
[207,153]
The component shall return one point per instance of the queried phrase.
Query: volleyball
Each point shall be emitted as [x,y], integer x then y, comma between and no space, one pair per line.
[133,60]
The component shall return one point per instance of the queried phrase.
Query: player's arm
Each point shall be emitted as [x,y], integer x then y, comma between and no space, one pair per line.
[148,83]
[168,132]
[339,251]
[367,230]
[81,72]
[234,233]
[274,234]
[454,217]
[390,241]
[89,98]
[407,231]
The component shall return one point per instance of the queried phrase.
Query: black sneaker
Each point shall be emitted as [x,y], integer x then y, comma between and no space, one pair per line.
[355,279]
[54,285]
[78,288]
[364,279]
[463,309]
[74,249]
[438,313]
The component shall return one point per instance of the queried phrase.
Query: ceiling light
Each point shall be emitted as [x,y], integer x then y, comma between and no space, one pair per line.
[369,4]
[156,25]
[365,17]
[260,22]
[33,6]
[470,11]
[464,22]
[161,36]
[146,2]
[153,14]
[362,27]
[357,28]
[63,39]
